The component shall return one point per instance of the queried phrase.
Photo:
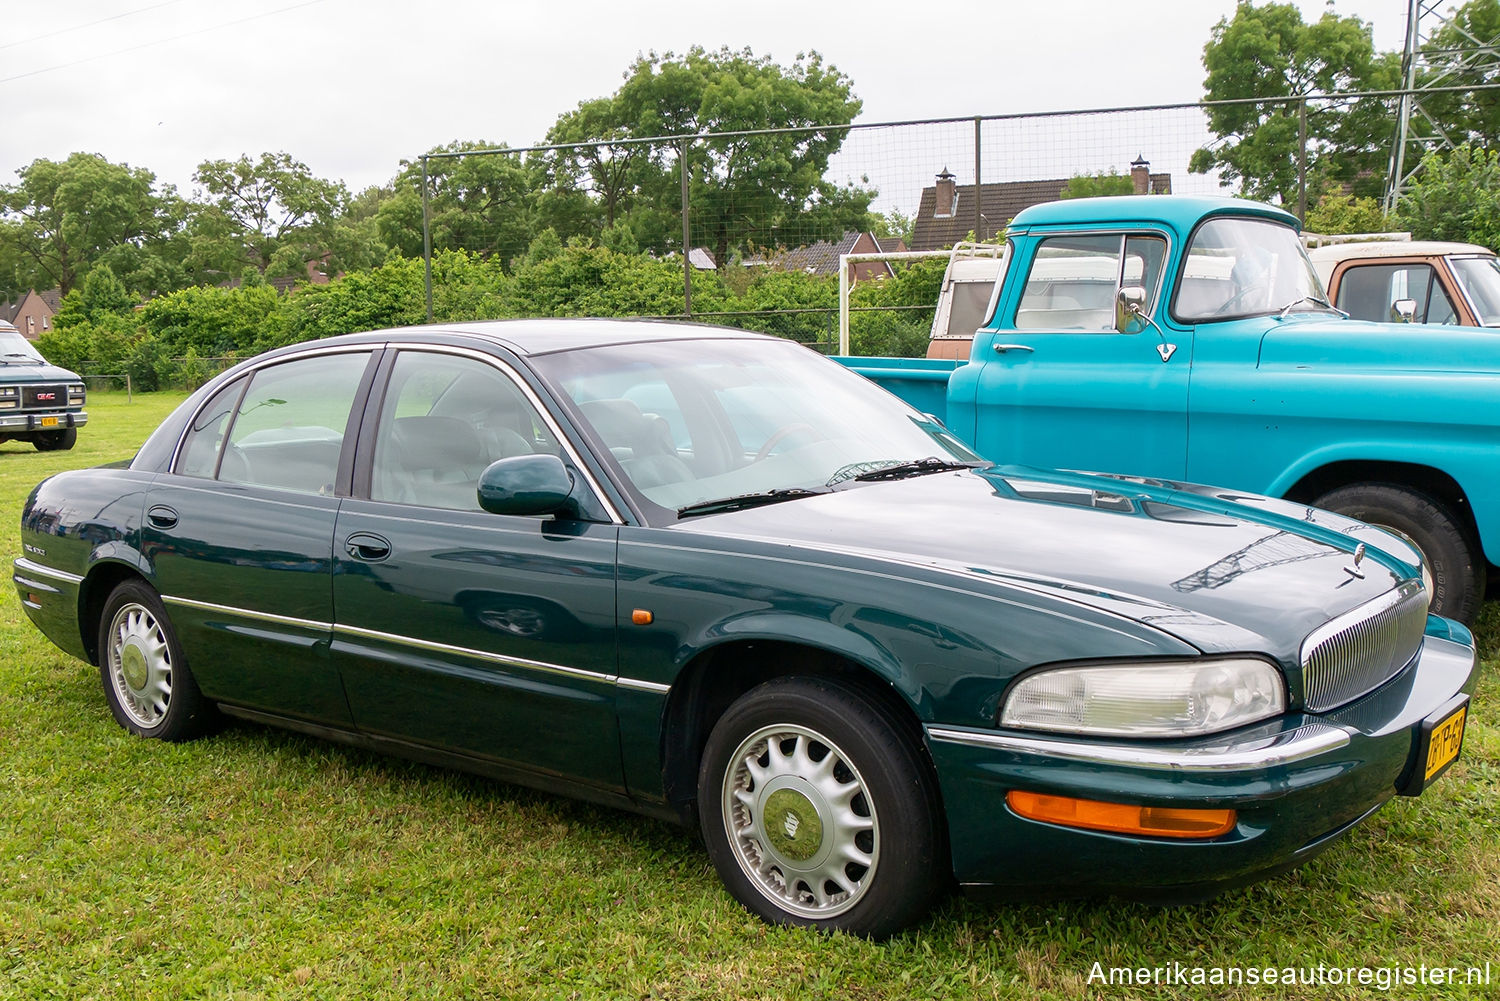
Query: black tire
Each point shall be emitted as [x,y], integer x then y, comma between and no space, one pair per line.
[1453,559]
[55,441]
[146,679]
[814,738]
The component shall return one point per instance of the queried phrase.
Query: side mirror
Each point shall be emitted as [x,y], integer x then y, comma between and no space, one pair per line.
[1403,311]
[1130,309]
[528,485]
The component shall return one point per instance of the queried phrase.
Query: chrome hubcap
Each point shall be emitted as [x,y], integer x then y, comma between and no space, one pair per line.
[140,664]
[800,822]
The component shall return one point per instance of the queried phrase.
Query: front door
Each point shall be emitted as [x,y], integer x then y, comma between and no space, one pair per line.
[489,635]
[1062,387]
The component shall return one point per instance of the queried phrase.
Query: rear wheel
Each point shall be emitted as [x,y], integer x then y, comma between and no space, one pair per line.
[55,441]
[146,679]
[1455,569]
[818,810]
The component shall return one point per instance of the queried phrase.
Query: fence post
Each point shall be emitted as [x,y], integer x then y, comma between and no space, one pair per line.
[426,242]
[687,265]
[978,200]
[129,393]
[1302,160]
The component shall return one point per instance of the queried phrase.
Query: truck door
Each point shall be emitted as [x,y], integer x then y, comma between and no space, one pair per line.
[1060,386]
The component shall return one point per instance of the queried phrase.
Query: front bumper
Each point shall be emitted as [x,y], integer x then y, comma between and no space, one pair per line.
[1296,784]
[33,420]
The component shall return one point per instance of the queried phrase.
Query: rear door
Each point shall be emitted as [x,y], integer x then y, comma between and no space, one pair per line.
[1061,386]
[240,533]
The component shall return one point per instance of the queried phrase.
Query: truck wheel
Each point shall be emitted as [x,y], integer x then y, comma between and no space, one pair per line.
[818,810]
[146,679]
[55,441]
[1456,568]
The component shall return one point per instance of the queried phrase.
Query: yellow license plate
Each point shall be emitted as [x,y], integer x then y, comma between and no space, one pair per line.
[48,422]
[1447,738]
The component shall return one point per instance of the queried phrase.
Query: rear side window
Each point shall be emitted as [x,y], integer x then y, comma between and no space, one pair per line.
[288,429]
[1368,291]
[200,449]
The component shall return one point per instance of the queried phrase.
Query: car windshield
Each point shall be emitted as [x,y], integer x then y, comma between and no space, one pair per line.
[1479,277]
[688,423]
[1245,267]
[13,346]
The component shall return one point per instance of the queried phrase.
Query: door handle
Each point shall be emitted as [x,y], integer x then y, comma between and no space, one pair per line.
[1002,348]
[367,547]
[161,516]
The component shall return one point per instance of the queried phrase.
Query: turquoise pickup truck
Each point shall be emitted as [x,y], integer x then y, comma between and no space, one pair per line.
[1188,338]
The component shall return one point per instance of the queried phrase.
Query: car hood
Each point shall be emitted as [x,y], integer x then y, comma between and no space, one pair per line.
[1307,341]
[19,371]
[1220,570]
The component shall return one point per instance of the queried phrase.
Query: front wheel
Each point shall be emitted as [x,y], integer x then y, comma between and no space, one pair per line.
[146,679]
[1454,568]
[818,809]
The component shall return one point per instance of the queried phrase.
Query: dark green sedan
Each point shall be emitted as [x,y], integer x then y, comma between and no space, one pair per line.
[713,577]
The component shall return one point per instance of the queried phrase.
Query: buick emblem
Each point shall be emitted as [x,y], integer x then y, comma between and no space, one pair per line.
[791,824]
[1359,555]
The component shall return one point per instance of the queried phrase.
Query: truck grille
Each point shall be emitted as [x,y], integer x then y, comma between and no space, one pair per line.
[1365,647]
[44,397]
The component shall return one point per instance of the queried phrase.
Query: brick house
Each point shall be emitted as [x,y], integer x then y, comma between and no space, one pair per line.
[32,314]
[822,258]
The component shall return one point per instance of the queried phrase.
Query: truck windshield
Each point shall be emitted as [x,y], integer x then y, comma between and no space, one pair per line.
[1480,279]
[1245,267]
[13,347]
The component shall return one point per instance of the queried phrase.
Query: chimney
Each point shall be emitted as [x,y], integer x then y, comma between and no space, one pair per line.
[947,196]
[1140,175]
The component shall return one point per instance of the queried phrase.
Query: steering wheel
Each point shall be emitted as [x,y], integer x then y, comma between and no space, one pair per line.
[786,430]
[1235,299]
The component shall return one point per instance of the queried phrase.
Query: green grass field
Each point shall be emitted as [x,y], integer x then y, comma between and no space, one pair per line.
[260,864]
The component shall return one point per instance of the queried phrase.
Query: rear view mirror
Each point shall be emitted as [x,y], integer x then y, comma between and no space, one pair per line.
[1130,310]
[1403,310]
[528,485]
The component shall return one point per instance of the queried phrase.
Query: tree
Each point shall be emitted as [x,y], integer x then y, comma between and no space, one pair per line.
[1097,185]
[270,206]
[1268,52]
[63,218]
[1345,214]
[483,202]
[744,190]
[1456,196]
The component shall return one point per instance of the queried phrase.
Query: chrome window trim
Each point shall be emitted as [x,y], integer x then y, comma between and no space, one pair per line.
[536,403]
[247,613]
[494,658]
[1042,236]
[31,566]
[1286,748]
[252,372]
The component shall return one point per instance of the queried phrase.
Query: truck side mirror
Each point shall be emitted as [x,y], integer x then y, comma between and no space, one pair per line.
[1130,309]
[1403,311]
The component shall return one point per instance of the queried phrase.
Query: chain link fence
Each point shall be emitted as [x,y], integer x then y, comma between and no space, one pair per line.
[716,205]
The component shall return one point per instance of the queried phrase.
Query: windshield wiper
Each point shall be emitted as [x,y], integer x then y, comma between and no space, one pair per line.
[1316,300]
[742,501]
[917,467]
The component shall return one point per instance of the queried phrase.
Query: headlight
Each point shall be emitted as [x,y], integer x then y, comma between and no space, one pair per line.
[1177,699]
[9,391]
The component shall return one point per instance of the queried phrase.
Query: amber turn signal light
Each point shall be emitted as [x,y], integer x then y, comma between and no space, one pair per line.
[1121,818]
[641,617]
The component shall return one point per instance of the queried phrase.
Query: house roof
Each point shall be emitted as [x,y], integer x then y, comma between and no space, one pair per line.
[998,202]
[821,258]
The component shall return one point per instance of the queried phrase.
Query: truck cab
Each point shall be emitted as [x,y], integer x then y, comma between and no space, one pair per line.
[39,402]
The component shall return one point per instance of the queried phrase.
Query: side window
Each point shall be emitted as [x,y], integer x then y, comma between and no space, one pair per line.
[1366,292]
[288,430]
[444,419]
[1071,285]
[1144,256]
[200,448]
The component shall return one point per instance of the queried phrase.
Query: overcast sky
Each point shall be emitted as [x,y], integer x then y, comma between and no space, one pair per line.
[350,87]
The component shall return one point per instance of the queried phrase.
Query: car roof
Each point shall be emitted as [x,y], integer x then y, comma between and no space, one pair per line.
[1181,212]
[553,334]
[1336,252]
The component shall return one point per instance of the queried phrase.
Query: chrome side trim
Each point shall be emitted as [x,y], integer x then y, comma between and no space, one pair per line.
[29,566]
[643,686]
[246,613]
[494,658]
[1253,755]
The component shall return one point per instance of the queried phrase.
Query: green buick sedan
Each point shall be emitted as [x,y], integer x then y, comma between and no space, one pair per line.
[712,577]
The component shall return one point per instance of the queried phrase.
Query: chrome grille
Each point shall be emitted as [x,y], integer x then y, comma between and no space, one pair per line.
[1362,649]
